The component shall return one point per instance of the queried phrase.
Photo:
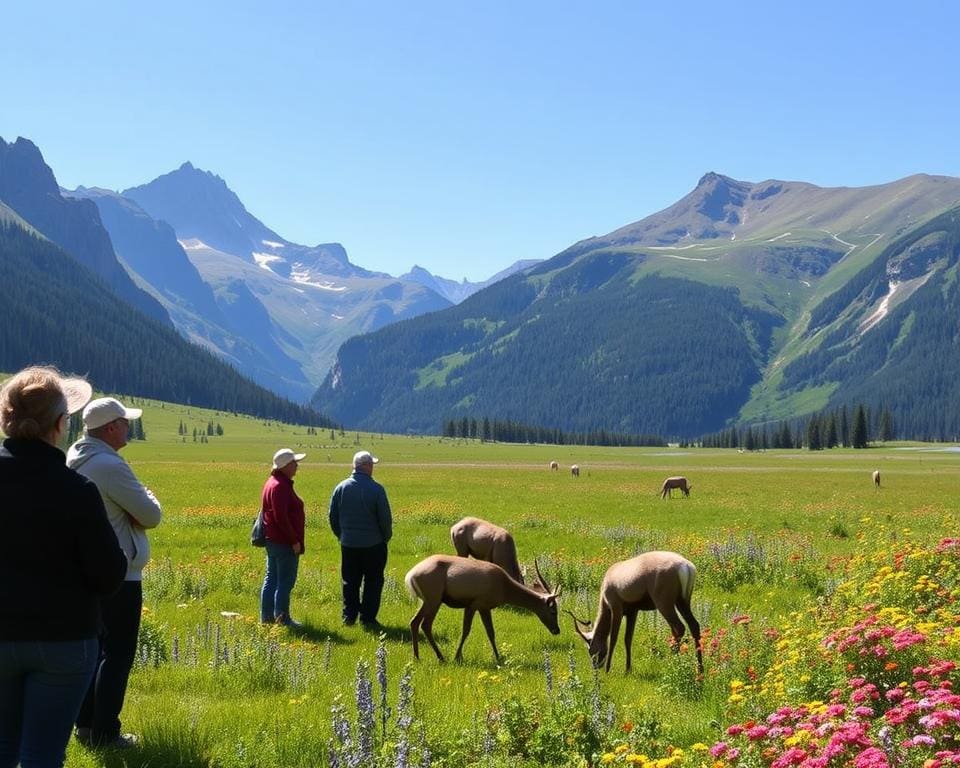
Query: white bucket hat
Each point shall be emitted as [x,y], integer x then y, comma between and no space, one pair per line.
[284,456]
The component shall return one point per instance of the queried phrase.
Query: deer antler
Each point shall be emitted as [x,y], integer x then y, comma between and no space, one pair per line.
[541,580]
[576,625]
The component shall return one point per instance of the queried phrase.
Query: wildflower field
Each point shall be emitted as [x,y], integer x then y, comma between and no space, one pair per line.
[829,609]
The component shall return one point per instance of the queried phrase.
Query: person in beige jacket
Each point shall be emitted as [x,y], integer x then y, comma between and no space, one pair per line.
[132,509]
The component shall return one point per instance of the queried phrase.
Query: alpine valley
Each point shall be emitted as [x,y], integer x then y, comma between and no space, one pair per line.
[184,250]
[742,303]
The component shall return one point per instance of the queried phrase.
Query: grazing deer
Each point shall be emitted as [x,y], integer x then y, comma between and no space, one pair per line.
[575,470]
[486,541]
[661,581]
[475,586]
[876,477]
[554,466]
[666,491]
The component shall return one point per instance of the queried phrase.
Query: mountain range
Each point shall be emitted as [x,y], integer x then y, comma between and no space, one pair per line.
[86,316]
[742,302]
[277,310]
[184,250]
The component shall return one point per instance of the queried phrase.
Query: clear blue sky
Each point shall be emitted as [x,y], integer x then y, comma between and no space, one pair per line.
[464,136]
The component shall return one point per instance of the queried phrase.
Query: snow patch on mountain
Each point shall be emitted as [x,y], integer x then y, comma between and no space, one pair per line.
[264,260]
[300,275]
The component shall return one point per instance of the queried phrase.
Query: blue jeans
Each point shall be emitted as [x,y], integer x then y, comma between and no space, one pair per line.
[282,565]
[42,684]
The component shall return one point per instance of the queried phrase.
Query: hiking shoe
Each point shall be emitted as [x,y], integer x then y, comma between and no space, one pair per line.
[120,741]
[349,622]
[286,621]
[373,626]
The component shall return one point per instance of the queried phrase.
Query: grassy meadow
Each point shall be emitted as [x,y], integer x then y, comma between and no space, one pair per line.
[771,535]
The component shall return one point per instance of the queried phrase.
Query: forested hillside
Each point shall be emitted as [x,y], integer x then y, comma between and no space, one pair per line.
[741,305]
[56,311]
[693,350]
[914,354]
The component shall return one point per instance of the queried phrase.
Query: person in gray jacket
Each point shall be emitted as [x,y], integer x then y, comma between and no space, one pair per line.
[360,518]
[131,509]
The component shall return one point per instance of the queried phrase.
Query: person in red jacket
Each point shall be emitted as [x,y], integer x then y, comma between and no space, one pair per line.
[283,523]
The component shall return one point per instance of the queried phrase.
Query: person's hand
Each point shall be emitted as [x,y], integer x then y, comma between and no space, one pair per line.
[297,548]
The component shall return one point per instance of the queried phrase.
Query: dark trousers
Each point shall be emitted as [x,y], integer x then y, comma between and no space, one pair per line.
[118,648]
[362,565]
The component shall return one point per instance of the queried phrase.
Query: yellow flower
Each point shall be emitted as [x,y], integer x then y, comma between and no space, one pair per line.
[797,738]
[621,748]
[608,757]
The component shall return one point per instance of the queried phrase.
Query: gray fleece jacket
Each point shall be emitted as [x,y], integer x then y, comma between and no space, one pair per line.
[131,507]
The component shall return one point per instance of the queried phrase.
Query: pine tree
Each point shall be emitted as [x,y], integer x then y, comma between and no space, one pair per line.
[886,426]
[814,442]
[844,428]
[831,441]
[860,435]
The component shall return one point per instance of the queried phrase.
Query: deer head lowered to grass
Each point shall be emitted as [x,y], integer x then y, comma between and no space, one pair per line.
[661,581]
[680,482]
[476,587]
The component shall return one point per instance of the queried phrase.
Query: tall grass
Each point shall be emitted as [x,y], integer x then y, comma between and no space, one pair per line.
[214,688]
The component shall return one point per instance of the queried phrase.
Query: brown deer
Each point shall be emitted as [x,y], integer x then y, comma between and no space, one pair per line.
[554,466]
[666,491]
[486,541]
[575,470]
[876,477]
[661,581]
[476,587]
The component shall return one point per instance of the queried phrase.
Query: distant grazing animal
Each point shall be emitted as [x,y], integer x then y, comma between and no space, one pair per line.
[575,470]
[475,586]
[486,541]
[554,466]
[660,581]
[876,477]
[674,482]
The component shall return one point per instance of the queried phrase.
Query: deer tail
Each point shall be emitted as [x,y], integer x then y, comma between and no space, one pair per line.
[688,578]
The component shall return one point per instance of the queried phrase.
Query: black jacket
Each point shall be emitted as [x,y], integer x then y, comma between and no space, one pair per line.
[58,552]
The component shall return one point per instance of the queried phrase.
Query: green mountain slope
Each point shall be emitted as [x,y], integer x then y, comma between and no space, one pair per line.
[677,324]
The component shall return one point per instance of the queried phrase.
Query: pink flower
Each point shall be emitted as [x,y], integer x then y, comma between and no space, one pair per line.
[871,758]
[793,756]
[894,694]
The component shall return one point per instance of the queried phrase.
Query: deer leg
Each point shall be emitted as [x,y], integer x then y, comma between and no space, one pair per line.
[684,607]
[676,626]
[628,634]
[616,614]
[467,622]
[424,618]
[487,618]
[415,630]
